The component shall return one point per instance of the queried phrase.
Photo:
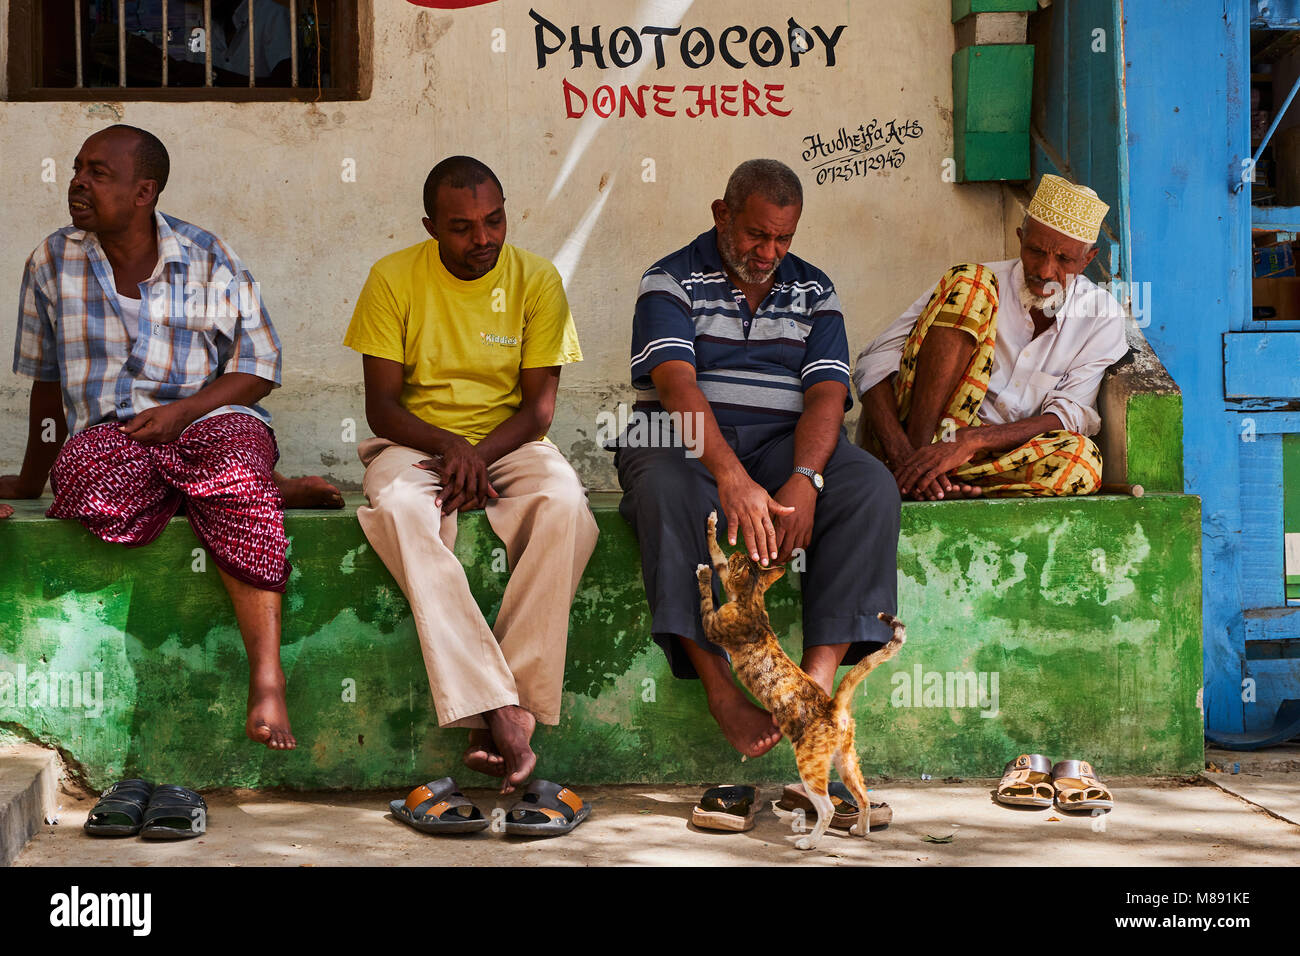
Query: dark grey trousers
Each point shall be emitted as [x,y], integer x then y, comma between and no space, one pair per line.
[851,570]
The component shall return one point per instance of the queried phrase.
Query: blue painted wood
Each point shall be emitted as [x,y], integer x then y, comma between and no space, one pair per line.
[1186,87]
[1281,624]
[1274,682]
[1261,365]
[1263,581]
[1269,423]
[1276,217]
[1054,124]
[1274,14]
[1081,118]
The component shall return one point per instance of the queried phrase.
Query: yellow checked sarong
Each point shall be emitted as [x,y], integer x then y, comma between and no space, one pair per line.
[1054,463]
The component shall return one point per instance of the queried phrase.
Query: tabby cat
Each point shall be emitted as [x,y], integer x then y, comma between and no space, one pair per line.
[819,726]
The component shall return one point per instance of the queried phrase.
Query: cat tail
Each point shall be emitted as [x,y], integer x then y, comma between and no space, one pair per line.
[844,693]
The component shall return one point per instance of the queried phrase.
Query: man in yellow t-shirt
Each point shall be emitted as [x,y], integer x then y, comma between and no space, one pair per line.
[462,338]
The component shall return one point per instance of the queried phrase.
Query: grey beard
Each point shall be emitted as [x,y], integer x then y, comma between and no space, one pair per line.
[743,273]
[1049,305]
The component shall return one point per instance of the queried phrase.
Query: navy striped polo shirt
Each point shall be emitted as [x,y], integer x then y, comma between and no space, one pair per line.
[753,369]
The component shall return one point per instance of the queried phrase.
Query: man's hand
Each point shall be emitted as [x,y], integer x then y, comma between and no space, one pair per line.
[925,472]
[794,531]
[159,425]
[11,487]
[750,510]
[465,484]
[897,455]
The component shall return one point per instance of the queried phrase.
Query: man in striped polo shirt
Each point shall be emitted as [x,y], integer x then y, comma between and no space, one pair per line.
[743,346]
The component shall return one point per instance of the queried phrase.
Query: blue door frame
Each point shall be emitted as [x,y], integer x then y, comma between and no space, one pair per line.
[1186,87]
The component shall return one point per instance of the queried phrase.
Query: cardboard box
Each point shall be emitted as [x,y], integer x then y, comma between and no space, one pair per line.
[1276,260]
[1276,299]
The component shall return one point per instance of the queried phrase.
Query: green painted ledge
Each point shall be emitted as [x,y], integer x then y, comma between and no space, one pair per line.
[1086,610]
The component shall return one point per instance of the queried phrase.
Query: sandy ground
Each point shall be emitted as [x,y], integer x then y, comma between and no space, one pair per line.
[1156,822]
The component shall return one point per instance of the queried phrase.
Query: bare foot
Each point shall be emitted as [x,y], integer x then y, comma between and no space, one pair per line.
[268,717]
[512,730]
[311,491]
[482,754]
[748,728]
[6,511]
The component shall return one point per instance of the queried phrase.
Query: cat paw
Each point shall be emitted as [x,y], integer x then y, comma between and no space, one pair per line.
[703,572]
[713,523]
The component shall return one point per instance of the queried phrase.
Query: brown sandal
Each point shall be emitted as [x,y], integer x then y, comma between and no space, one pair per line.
[1026,782]
[795,797]
[1077,787]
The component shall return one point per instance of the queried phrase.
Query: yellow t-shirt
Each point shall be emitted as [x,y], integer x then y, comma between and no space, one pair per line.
[462,344]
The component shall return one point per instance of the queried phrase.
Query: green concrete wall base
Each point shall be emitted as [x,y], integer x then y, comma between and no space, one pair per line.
[1078,619]
[1141,438]
[992,89]
[964,8]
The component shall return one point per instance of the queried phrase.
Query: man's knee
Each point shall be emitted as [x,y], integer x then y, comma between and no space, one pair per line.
[402,497]
[1086,458]
[97,453]
[658,478]
[565,497]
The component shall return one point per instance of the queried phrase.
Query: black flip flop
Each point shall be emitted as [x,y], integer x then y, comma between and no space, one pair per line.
[546,809]
[726,808]
[439,807]
[174,813]
[120,809]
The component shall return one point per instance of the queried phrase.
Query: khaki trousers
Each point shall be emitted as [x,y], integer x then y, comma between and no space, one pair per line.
[544,521]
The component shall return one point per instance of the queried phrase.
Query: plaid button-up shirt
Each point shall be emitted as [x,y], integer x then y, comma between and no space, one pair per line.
[199,315]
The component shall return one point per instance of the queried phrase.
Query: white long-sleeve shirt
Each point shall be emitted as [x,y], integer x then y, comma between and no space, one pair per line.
[1058,372]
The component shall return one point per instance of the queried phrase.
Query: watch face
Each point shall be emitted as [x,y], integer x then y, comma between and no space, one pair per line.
[818,483]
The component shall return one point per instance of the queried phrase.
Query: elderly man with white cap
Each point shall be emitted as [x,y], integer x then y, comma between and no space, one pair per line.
[1017,348]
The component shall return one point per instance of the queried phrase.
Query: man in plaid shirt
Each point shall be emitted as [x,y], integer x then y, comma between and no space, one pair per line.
[149,332]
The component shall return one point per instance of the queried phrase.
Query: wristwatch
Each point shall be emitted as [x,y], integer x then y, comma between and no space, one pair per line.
[817,481]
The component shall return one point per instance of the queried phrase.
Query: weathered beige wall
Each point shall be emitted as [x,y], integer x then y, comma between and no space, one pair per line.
[267,177]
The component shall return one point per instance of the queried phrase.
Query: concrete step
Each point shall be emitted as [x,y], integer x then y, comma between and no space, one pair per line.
[1065,626]
[29,777]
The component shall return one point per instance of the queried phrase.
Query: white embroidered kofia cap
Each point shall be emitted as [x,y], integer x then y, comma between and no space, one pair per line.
[1073,210]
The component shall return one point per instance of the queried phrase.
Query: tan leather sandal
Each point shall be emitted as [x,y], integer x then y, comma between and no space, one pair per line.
[1026,782]
[1077,787]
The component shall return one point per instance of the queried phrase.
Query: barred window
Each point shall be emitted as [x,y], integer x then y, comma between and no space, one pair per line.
[188,49]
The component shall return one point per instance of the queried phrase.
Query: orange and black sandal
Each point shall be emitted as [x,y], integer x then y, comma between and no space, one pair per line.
[439,807]
[546,809]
